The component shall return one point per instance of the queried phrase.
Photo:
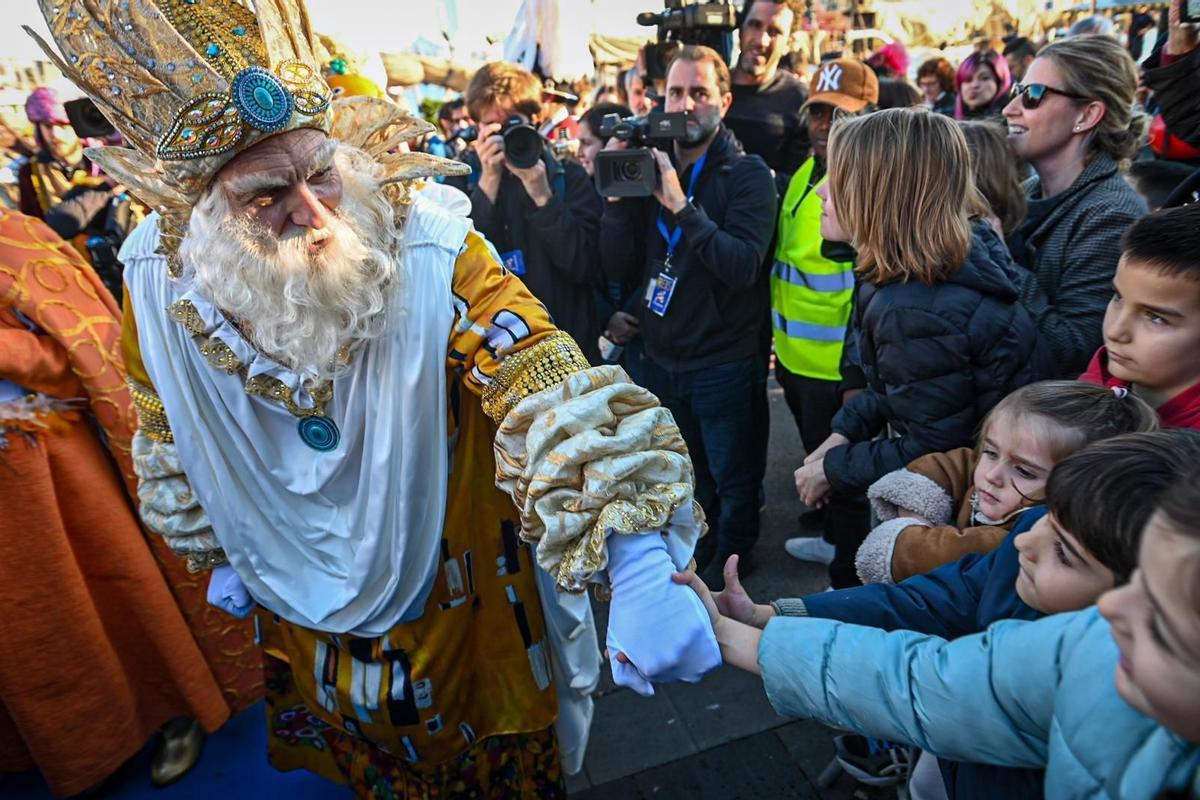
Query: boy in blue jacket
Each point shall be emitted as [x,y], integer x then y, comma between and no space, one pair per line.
[1099,499]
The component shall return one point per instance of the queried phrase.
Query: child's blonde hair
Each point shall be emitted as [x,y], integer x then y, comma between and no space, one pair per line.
[901,184]
[1071,414]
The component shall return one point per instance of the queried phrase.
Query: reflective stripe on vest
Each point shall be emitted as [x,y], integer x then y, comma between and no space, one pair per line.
[809,330]
[818,282]
[811,296]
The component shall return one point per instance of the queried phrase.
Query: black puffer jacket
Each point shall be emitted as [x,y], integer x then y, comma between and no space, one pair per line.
[936,358]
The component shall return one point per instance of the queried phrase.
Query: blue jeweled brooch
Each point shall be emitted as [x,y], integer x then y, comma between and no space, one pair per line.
[262,99]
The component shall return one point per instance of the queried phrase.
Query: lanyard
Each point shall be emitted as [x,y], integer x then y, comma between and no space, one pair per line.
[672,237]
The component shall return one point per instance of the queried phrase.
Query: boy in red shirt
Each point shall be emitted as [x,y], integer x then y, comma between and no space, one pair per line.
[1152,325]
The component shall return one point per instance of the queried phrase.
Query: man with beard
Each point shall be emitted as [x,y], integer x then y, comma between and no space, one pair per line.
[765,115]
[698,252]
[341,393]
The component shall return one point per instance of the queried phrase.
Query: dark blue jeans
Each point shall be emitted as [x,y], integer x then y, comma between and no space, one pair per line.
[713,408]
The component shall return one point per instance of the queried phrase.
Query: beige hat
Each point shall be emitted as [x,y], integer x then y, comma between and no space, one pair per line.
[844,83]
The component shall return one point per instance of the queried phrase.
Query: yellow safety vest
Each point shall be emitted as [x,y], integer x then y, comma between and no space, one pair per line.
[811,296]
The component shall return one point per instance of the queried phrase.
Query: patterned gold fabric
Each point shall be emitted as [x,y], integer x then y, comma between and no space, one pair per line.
[593,455]
[532,370]
[475,664]
[152,420]
[168,506]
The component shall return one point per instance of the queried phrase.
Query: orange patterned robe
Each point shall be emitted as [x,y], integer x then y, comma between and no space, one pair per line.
[105,634]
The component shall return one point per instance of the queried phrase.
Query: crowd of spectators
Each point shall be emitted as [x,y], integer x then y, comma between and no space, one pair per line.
[954,276]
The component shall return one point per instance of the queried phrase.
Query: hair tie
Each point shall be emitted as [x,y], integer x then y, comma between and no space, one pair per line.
[1121,392]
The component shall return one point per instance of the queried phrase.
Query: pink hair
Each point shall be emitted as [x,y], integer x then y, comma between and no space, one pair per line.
[891,56]
[970,65]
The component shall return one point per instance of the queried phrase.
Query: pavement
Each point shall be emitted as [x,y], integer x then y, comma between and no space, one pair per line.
[719,739]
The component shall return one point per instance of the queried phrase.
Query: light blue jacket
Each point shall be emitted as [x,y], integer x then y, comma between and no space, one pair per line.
[1021,694]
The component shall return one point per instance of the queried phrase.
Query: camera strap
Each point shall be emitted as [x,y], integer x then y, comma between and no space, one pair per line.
[672,236]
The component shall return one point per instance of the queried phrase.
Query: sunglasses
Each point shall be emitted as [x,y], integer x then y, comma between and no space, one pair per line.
[1032,94]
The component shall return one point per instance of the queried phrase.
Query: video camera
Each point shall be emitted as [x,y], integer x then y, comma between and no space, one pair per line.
[633,172]
[687,22]
[523,145]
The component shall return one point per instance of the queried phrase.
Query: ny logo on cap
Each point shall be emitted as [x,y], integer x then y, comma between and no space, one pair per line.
[830,79]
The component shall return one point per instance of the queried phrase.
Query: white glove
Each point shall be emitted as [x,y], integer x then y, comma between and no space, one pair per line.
[661,626]
[227,592]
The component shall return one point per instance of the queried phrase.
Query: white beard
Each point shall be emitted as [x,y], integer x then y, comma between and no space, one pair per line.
[297,307]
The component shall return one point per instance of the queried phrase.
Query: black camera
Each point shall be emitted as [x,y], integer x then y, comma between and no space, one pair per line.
[687,22]
[104,246]
[633,172]
[523,145]
[86,120]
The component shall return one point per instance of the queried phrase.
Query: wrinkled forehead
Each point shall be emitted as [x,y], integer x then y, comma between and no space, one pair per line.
[279,160]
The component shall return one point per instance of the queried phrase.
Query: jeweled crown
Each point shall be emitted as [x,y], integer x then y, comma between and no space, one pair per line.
[192,82]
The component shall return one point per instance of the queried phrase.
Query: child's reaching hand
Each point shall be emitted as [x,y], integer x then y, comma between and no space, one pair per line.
[734,602]
[738,639]
[690,578]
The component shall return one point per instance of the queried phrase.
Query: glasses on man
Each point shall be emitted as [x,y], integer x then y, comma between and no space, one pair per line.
[1032,94]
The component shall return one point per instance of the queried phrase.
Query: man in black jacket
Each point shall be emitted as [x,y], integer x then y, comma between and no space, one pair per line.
[543,219]
[765,115]
[698,252]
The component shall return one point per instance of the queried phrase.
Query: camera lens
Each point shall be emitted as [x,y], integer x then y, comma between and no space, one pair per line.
[523,146]
[630,170]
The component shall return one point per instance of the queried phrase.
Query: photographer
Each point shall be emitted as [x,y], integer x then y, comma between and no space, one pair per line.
[544,218]
[697,248]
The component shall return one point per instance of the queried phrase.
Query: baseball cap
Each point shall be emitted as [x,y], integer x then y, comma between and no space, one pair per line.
[844,83]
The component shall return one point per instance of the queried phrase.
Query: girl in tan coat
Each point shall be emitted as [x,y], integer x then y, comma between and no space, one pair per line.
[945,505]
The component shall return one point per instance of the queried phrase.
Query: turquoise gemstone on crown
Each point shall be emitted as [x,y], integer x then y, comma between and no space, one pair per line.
[239,31]
[212,50]
[263,97]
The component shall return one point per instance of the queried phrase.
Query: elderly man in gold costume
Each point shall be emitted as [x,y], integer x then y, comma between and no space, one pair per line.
[368,431]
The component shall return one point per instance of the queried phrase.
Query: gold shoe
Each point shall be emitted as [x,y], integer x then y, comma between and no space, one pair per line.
[177,751]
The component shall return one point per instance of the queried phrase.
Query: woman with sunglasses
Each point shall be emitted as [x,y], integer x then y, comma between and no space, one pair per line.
[1073,120]
[982,82]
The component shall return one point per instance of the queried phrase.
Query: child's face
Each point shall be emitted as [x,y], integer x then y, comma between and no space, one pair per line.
[1014,463]
[1152,329]
[1057,573]
[1156,625]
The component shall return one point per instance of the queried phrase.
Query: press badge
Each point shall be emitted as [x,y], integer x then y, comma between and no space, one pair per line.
[514,261]
[661,290]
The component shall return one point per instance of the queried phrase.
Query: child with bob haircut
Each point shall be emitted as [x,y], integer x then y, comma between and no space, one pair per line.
[942,336]
[945,505]
[1029,693]
[1152,323]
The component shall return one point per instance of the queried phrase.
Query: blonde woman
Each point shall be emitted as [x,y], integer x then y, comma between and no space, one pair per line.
[942,336]
[1072,119]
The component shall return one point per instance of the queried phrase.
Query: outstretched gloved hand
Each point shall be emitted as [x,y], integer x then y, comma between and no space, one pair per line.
[661,627]
[227,592]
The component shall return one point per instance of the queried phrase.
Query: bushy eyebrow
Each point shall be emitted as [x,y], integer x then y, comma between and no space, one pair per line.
[252,183]
[323,159]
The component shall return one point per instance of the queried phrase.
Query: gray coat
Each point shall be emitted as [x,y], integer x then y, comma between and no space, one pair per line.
[1070,245]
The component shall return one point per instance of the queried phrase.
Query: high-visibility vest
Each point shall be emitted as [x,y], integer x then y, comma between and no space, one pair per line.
[811,296]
